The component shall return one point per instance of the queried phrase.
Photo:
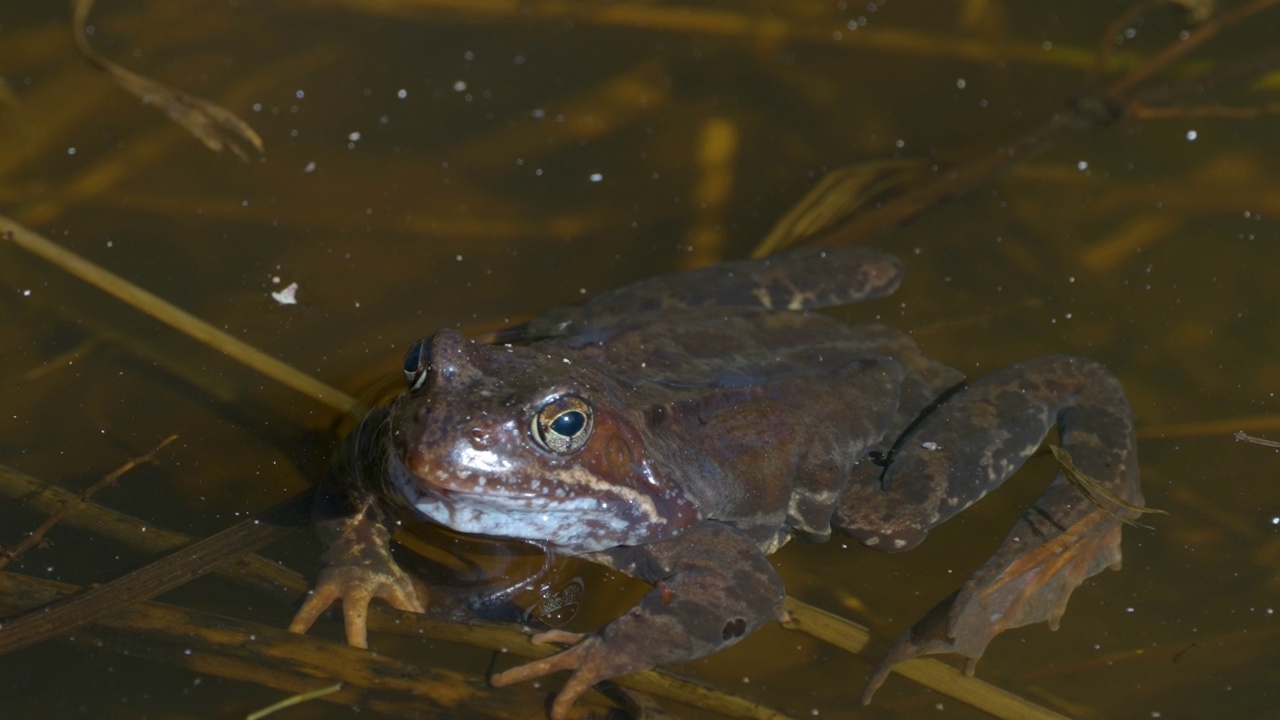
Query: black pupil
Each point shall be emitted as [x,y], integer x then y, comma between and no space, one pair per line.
[414,362]
[568,423]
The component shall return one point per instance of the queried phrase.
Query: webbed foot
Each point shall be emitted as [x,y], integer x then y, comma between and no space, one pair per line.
[1011,590]
[356,586]
[587,657]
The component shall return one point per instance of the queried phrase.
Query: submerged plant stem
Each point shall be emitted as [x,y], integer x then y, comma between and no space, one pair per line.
[35,537]
[177,318]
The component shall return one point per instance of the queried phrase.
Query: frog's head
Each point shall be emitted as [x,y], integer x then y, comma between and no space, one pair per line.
[510,442]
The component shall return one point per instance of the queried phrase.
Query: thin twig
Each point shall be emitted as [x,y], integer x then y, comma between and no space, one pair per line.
[252,571]
[1089,111]
[1141,111]
[64,616]
[1176,51]
[1107,46]
[234,649]
[37,535]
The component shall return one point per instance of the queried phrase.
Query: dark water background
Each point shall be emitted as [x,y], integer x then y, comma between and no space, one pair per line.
[435,165]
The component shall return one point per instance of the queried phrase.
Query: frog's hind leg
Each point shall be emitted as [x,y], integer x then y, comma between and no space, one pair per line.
[971,443]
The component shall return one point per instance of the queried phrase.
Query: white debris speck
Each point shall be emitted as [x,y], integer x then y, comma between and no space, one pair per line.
[960,83]
[930,445]
[309,167]
[460,85]
[1082,165]
[26,293]
[287,296]
[1192,135]
[353,136]
[596,177]
[402,93]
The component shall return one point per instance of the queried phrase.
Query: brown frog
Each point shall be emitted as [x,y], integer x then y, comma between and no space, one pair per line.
[682,428]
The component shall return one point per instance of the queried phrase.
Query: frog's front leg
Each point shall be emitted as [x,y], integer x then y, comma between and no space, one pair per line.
[359,565]
[969,444]
[712,587]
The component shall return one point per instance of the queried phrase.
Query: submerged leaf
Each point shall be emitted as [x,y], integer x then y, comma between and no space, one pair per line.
[211,124]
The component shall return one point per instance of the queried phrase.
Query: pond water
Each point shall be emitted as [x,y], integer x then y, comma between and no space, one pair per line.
[432,164]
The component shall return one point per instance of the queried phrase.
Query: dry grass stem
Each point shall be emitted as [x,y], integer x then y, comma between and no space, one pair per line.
[293,700]
[247,652]
[1227,112]
[1227,427]
[835,198]
[177,318]
[234,544]
[101,522]
[770,32]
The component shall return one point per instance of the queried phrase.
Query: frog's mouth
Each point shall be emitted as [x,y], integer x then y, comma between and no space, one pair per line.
[572,525]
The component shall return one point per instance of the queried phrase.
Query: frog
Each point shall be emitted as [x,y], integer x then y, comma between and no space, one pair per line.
[682,428]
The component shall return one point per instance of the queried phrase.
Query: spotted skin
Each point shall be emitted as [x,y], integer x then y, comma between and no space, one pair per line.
[716,418]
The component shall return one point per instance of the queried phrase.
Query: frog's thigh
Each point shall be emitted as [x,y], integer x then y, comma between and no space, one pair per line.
[981,435]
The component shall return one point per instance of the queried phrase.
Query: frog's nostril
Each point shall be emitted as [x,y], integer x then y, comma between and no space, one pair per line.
[734,629]
[479,438]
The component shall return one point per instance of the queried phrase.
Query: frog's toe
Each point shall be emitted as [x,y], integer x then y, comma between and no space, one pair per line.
[356,587]
[318,600]
[560,637]
[589,659]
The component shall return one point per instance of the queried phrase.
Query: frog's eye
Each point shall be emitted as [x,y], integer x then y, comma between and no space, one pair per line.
[417,363]
[562,425]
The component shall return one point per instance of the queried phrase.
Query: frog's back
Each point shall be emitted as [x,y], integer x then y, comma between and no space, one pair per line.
[778,403]
[798,280]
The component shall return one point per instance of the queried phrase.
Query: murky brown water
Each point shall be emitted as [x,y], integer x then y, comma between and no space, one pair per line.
[435,164]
